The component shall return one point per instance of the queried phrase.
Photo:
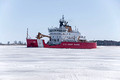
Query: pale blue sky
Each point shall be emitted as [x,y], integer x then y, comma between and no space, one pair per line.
[95,19]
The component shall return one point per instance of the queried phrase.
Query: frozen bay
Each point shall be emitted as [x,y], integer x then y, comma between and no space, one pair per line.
[21,63]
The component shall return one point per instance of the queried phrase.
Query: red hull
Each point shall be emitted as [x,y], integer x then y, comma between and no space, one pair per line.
[75,45]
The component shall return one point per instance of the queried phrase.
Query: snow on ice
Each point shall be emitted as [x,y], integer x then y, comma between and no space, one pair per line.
[21,63]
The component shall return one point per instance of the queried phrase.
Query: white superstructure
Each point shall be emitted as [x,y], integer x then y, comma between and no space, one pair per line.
[64,33]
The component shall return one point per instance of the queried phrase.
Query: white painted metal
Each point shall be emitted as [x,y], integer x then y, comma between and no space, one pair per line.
[61,34]
[40,43]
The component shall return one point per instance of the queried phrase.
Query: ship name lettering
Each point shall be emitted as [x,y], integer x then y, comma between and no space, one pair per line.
[70,44]
[76,44]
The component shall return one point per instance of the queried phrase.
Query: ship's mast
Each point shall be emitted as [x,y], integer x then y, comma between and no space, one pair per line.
[61,21]
[63,17]
[27,33]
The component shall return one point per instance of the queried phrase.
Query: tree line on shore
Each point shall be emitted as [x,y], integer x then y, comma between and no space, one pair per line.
[13,43]
[107,42]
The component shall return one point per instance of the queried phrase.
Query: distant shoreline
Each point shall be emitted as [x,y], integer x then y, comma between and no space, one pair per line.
[12,44]
[107,42]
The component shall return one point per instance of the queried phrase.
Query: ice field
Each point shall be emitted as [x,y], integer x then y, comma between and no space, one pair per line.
[21,63]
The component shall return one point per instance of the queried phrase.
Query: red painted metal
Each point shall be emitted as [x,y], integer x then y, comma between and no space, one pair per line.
[32,43]
[75,45]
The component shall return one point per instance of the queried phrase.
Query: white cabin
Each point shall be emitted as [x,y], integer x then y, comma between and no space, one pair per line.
[64,34]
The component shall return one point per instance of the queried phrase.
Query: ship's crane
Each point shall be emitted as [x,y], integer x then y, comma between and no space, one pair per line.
[39,36]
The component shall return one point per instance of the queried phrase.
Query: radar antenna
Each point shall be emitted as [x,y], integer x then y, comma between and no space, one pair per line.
[61,21]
